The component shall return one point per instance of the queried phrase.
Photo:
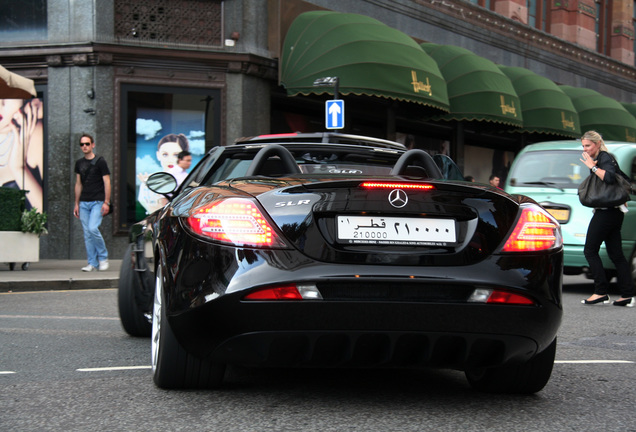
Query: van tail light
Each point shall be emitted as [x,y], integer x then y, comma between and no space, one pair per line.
[235,221]
[535,230]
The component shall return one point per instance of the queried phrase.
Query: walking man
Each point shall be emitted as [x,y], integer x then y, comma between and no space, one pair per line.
[180,172]
[92,202]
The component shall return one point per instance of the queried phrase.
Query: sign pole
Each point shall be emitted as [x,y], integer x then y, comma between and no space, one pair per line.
[336,88]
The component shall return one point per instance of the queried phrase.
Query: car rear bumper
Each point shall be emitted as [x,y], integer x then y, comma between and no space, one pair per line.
[366,334]
[574,260]
[373,349]
[370,315]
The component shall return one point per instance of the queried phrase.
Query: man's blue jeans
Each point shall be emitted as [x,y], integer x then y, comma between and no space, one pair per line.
[90,213]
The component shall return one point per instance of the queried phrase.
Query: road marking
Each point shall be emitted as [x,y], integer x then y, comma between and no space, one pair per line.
[592,361]
[114,368]
[57,291]
[123,368]
[60,317]
[119,368]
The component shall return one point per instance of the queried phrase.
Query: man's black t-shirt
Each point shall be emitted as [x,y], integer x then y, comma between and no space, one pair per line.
[92,178]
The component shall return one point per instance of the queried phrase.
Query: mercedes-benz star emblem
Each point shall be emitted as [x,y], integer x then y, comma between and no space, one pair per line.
[398,198]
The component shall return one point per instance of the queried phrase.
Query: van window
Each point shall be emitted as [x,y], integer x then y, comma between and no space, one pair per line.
[554,168]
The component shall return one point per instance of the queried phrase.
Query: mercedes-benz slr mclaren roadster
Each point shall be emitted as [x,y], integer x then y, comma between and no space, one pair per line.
[328,250]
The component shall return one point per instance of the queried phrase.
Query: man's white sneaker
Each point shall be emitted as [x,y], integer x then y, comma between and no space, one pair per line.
[89,268]
[103,265]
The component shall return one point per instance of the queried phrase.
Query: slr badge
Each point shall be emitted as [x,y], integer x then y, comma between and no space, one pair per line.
[398,198]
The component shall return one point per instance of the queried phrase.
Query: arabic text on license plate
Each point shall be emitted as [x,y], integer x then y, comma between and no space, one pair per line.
[396,230]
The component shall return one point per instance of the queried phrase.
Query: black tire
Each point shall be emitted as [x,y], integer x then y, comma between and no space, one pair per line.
[131,314]
[172,366]
[526,378]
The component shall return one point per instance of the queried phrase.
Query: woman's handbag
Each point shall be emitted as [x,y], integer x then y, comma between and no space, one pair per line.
[594,192]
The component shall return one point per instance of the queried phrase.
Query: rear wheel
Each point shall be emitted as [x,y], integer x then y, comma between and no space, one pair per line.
[133,318]
[527,378]
[172,366]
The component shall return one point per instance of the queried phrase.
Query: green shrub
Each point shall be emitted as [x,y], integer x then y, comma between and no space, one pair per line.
[11,208]
[33,222]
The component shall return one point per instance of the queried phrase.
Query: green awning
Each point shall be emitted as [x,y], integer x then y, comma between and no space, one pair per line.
[602,114]
[367,56]
[477,89]
[546,108]
[630,107]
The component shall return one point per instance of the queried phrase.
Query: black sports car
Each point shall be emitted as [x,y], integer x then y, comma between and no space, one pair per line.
[328,250]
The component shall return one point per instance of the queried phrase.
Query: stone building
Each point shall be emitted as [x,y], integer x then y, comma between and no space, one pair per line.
[131,71]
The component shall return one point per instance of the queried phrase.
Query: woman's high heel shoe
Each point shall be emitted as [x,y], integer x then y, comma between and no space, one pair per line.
[605,300]
[627,302]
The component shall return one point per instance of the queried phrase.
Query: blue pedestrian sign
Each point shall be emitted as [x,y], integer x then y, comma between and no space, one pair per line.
[334,114]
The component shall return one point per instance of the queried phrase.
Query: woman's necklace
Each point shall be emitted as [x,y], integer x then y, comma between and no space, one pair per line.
[5,147]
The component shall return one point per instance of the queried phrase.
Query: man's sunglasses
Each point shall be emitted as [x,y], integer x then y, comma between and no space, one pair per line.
[82,144]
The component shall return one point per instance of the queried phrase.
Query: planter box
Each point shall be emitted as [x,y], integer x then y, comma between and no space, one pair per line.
[19,247]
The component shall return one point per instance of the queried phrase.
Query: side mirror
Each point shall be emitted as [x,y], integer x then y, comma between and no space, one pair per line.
[162,183]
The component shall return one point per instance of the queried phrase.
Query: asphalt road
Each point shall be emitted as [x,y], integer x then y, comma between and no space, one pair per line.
[66,365]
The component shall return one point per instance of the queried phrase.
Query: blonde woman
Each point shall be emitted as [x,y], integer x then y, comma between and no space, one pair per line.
[605,226]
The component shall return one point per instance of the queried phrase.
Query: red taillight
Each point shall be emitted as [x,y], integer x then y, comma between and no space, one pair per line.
[278,293]
[394,185]
[303,291]
[499,297]
[235,220]
[534,231]
[504,297]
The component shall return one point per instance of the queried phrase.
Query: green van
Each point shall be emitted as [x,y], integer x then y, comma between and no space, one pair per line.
[550,173]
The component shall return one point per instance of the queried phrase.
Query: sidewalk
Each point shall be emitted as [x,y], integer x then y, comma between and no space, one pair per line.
[49,275]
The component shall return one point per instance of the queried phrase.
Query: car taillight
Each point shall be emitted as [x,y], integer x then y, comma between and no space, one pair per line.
[497,296]
[237,221]
[535,231]
[286,292]
[394,185]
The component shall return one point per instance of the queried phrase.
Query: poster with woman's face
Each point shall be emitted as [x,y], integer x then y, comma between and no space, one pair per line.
[161,135]
[22,148]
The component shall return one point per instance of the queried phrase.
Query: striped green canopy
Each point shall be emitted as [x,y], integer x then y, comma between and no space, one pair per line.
[477,89]
[367,56]
[602,114]
[546,108]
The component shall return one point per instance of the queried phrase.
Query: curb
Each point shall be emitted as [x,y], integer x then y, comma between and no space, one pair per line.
[57,285]
[58,275]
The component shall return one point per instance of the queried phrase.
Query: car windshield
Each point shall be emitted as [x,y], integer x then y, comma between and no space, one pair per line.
[233,164]
[551,168]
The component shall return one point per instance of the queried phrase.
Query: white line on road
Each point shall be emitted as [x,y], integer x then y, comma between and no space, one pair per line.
[121,368]
[59,317]
[117,368]
[114,368]
[592,361]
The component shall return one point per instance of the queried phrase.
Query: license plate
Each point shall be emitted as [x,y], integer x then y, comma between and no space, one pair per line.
[560,215]
[396,231]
